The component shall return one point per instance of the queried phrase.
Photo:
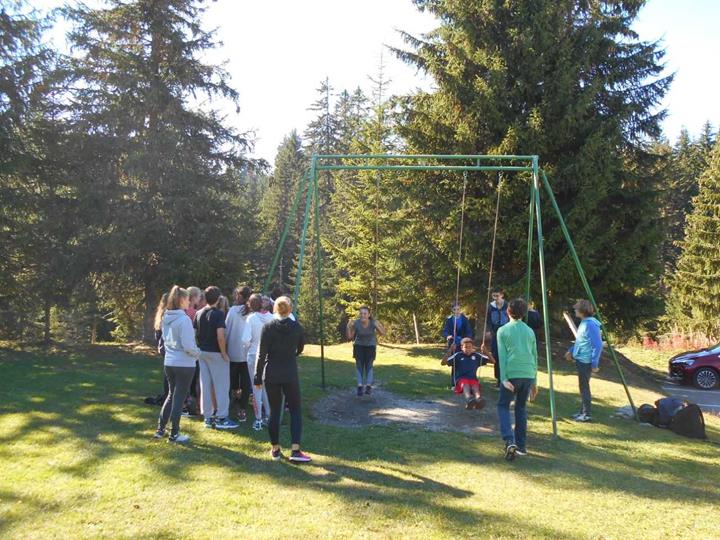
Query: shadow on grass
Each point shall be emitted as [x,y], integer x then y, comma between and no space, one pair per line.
[93,397]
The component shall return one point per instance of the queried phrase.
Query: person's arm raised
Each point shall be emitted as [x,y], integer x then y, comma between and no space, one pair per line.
[350,330]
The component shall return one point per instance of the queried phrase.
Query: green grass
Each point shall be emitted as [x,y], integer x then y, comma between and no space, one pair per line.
[77,461]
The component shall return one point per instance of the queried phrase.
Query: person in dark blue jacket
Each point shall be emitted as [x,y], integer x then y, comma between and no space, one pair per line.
[496,317]
[456,327]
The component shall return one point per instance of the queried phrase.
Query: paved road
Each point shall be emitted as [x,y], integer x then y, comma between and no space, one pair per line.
[708,400]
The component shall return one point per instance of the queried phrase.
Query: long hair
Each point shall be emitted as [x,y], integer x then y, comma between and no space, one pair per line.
[160,310]
[176,294]
[254,302]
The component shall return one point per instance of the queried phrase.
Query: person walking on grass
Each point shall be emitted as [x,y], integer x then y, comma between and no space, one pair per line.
[181,352]
[517,360]
[586,354]
[240,383]
[259,316]
[214,363]
[281,342]
[362,332]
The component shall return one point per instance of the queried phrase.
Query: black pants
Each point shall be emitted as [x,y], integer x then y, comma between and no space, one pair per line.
[292,399]
[166,385]
[179,379]
[240,380]
[195,384]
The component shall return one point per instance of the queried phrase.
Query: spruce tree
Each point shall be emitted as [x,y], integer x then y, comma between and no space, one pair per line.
[290,166]
[169,193]
[571,82]
[695,293]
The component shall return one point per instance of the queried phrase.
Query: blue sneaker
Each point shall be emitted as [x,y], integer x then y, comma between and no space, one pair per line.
[226,423]
[209,423]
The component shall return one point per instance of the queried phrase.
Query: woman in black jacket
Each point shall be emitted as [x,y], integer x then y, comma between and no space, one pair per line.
[281,341]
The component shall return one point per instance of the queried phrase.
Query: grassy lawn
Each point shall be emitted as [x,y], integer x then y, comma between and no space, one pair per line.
[78,461]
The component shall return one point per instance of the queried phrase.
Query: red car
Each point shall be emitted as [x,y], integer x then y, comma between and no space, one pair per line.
[701,368]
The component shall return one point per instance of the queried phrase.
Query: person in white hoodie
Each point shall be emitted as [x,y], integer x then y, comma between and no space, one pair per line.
[259,316]
[240,386]
[181,352]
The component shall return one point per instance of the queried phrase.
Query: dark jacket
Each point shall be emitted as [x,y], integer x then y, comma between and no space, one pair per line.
[281,342]
[496,317]
[462,330]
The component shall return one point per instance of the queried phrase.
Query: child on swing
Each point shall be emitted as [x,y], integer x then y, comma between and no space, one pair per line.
[465,364]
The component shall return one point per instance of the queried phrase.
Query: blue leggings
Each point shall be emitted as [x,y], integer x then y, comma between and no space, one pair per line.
[364,357]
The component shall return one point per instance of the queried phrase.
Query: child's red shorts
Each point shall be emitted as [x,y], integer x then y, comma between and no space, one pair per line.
[462,382]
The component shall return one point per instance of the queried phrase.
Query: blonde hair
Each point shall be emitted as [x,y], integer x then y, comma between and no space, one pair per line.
[283,306]
[585,307]
[176,294]
[160,311]
[223,304]
[194,292]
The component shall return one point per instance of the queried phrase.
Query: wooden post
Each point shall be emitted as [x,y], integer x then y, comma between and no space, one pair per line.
[417,332]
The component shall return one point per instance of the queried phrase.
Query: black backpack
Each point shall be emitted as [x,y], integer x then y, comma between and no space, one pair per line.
[689,422]
[648,414]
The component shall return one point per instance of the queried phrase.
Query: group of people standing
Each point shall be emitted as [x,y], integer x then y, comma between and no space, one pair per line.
[219,354]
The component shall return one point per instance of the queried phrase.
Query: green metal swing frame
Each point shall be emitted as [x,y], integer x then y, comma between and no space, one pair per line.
[433,162]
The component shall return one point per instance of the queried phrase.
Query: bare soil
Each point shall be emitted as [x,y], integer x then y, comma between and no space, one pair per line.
[344,409]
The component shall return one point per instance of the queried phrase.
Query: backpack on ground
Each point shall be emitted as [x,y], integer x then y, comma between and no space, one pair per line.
[689,422]
[647,414]
[667,408]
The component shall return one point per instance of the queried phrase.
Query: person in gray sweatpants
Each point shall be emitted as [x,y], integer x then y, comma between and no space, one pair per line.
[214,363]
[181,352]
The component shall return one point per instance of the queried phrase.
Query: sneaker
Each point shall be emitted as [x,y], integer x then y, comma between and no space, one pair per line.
[574,416]
[178,438]
[257,425]
[299,457]
[469,404]
[510,451]
[226,423]
[209,423]
[583,418]
[242,416]
[480,403]
[368,390]
[359,391]
[159,434]
[276,455]
[521,452]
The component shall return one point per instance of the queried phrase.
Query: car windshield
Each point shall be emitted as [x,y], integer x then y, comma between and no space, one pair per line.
[715,349]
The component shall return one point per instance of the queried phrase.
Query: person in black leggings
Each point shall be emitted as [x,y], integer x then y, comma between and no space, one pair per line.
[281,341]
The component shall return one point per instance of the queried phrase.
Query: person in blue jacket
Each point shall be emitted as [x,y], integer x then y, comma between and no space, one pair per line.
[456,327]
[585,352]
[496,317]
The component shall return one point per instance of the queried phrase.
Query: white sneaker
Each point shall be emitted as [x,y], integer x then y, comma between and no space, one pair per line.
[583,418]
[179,438]
[257,425]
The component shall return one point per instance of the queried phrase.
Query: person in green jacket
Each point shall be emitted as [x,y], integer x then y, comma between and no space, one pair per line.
[517,353]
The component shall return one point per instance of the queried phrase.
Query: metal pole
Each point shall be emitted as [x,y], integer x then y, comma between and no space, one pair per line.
[543,286]
[283,236]
[319,271]
[306,220]
[586,285]
[531,224]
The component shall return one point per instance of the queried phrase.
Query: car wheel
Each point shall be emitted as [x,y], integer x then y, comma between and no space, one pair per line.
[706,378]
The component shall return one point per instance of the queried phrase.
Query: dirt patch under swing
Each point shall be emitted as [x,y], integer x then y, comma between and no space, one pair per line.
[344,409]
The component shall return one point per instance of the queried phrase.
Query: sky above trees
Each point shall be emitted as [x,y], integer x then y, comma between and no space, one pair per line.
[278,51]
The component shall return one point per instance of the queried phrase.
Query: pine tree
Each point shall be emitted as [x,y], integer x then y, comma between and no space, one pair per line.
[290,166]
[695,293]
[170,190]
[571,82]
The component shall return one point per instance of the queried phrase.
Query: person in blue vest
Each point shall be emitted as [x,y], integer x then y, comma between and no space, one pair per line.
[496,317]
[456,327]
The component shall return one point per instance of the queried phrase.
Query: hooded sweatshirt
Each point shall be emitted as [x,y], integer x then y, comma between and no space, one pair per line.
[497,316]
[253,329]
[179,336]
[235,323]
[588,343]
[281,341]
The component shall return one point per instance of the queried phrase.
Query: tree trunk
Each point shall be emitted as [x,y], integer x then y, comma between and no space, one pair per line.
[46,322]
[151,299]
